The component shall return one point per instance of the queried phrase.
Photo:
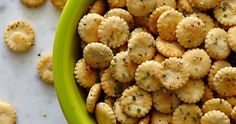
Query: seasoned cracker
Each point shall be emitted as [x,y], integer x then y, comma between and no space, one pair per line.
[19,36]
[121,116]
[190,32]
[217,104]
[110,86]
[85,75]
[136,102]
[141,47]
[216,44]
[146,76]
[44,68]
[159,58]
[225,13]
[93,97]
[59,4]
[122,68]
[224,81]
[97,55]
[187,114]
[113,31]
[199,62]
[160,118]
[117,3]
[169,48]
[215,117]
[104,114]
[207,20]
[88,27]
[231,35]
[165,101]
[192,92]
[167,22]
[152,24]
[7,113]
[215,67]
[174,73]
[33,3]
[141,7]
[123,14]
[98,7]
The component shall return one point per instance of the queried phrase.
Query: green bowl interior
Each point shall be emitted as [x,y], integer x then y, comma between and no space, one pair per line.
[66,52]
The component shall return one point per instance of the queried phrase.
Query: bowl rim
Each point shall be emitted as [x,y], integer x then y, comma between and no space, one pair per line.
[70,98]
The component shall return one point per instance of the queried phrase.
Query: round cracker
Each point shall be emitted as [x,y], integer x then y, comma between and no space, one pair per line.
[19,36]
[141,47]
[187,114]
[198,61]
[122,68]
[169,49]
[104,114]
[217,104]
[214,117]
[85,75]
[174,73]
[33,3]
[113,31]
[123,14]
[45,69]
[136,102]
[165,101]
[224,81]
[225,13]
[192,92]
[88,27]
[93,97]
[97,55]
[190,32]
[140,7]
[7,113]
[146,76]
[216,44]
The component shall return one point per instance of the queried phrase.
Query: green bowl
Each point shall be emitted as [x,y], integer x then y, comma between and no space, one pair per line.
[66,52]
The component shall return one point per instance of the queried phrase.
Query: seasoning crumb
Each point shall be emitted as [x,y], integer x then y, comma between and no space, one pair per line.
[45,115]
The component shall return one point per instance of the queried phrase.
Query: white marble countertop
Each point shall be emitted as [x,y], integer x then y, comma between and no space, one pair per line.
[35,101]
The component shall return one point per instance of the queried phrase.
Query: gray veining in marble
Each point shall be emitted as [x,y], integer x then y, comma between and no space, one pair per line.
[35,101]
